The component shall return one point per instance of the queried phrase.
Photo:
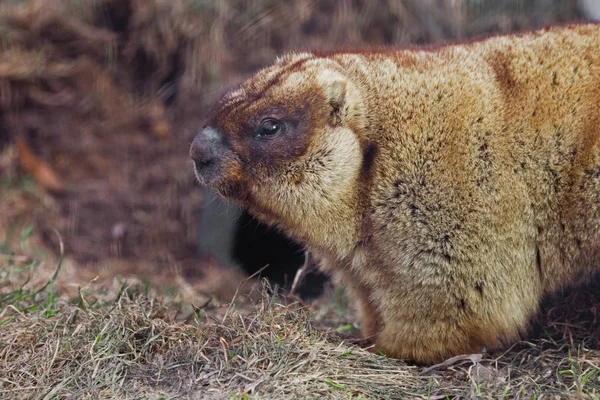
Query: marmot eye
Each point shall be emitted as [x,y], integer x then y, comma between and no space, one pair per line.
[270,127]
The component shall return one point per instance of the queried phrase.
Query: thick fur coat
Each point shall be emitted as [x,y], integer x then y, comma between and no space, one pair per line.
[450,188]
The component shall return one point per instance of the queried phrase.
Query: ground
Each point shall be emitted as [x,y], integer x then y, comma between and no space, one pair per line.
[123,338]
[101,291]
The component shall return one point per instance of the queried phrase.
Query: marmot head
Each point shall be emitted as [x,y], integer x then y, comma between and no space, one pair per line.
[286,144]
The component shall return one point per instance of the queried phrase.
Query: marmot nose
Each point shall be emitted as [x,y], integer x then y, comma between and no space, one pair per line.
[205,145]
[206,151]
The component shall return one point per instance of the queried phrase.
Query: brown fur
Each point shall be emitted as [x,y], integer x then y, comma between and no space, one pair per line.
[450,188]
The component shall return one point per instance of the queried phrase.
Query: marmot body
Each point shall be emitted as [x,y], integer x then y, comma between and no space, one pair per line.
[450,188]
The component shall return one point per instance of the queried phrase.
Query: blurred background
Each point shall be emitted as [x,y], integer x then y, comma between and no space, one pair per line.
[100,99]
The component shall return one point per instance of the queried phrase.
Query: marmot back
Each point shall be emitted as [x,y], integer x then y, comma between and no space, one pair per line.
[450,188]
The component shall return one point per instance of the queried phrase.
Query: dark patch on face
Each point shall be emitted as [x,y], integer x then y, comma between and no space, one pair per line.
[298,113]
[291,145]
[462,304]
[226,105]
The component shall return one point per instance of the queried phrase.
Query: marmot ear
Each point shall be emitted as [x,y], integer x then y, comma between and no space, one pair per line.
[335,93]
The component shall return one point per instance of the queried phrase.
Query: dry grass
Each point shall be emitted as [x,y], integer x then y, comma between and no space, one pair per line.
[122,339]
[130,344]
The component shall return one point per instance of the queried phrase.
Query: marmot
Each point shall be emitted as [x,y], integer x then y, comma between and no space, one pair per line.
[450,187]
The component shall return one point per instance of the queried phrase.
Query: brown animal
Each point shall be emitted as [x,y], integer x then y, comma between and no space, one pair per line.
[450,188]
